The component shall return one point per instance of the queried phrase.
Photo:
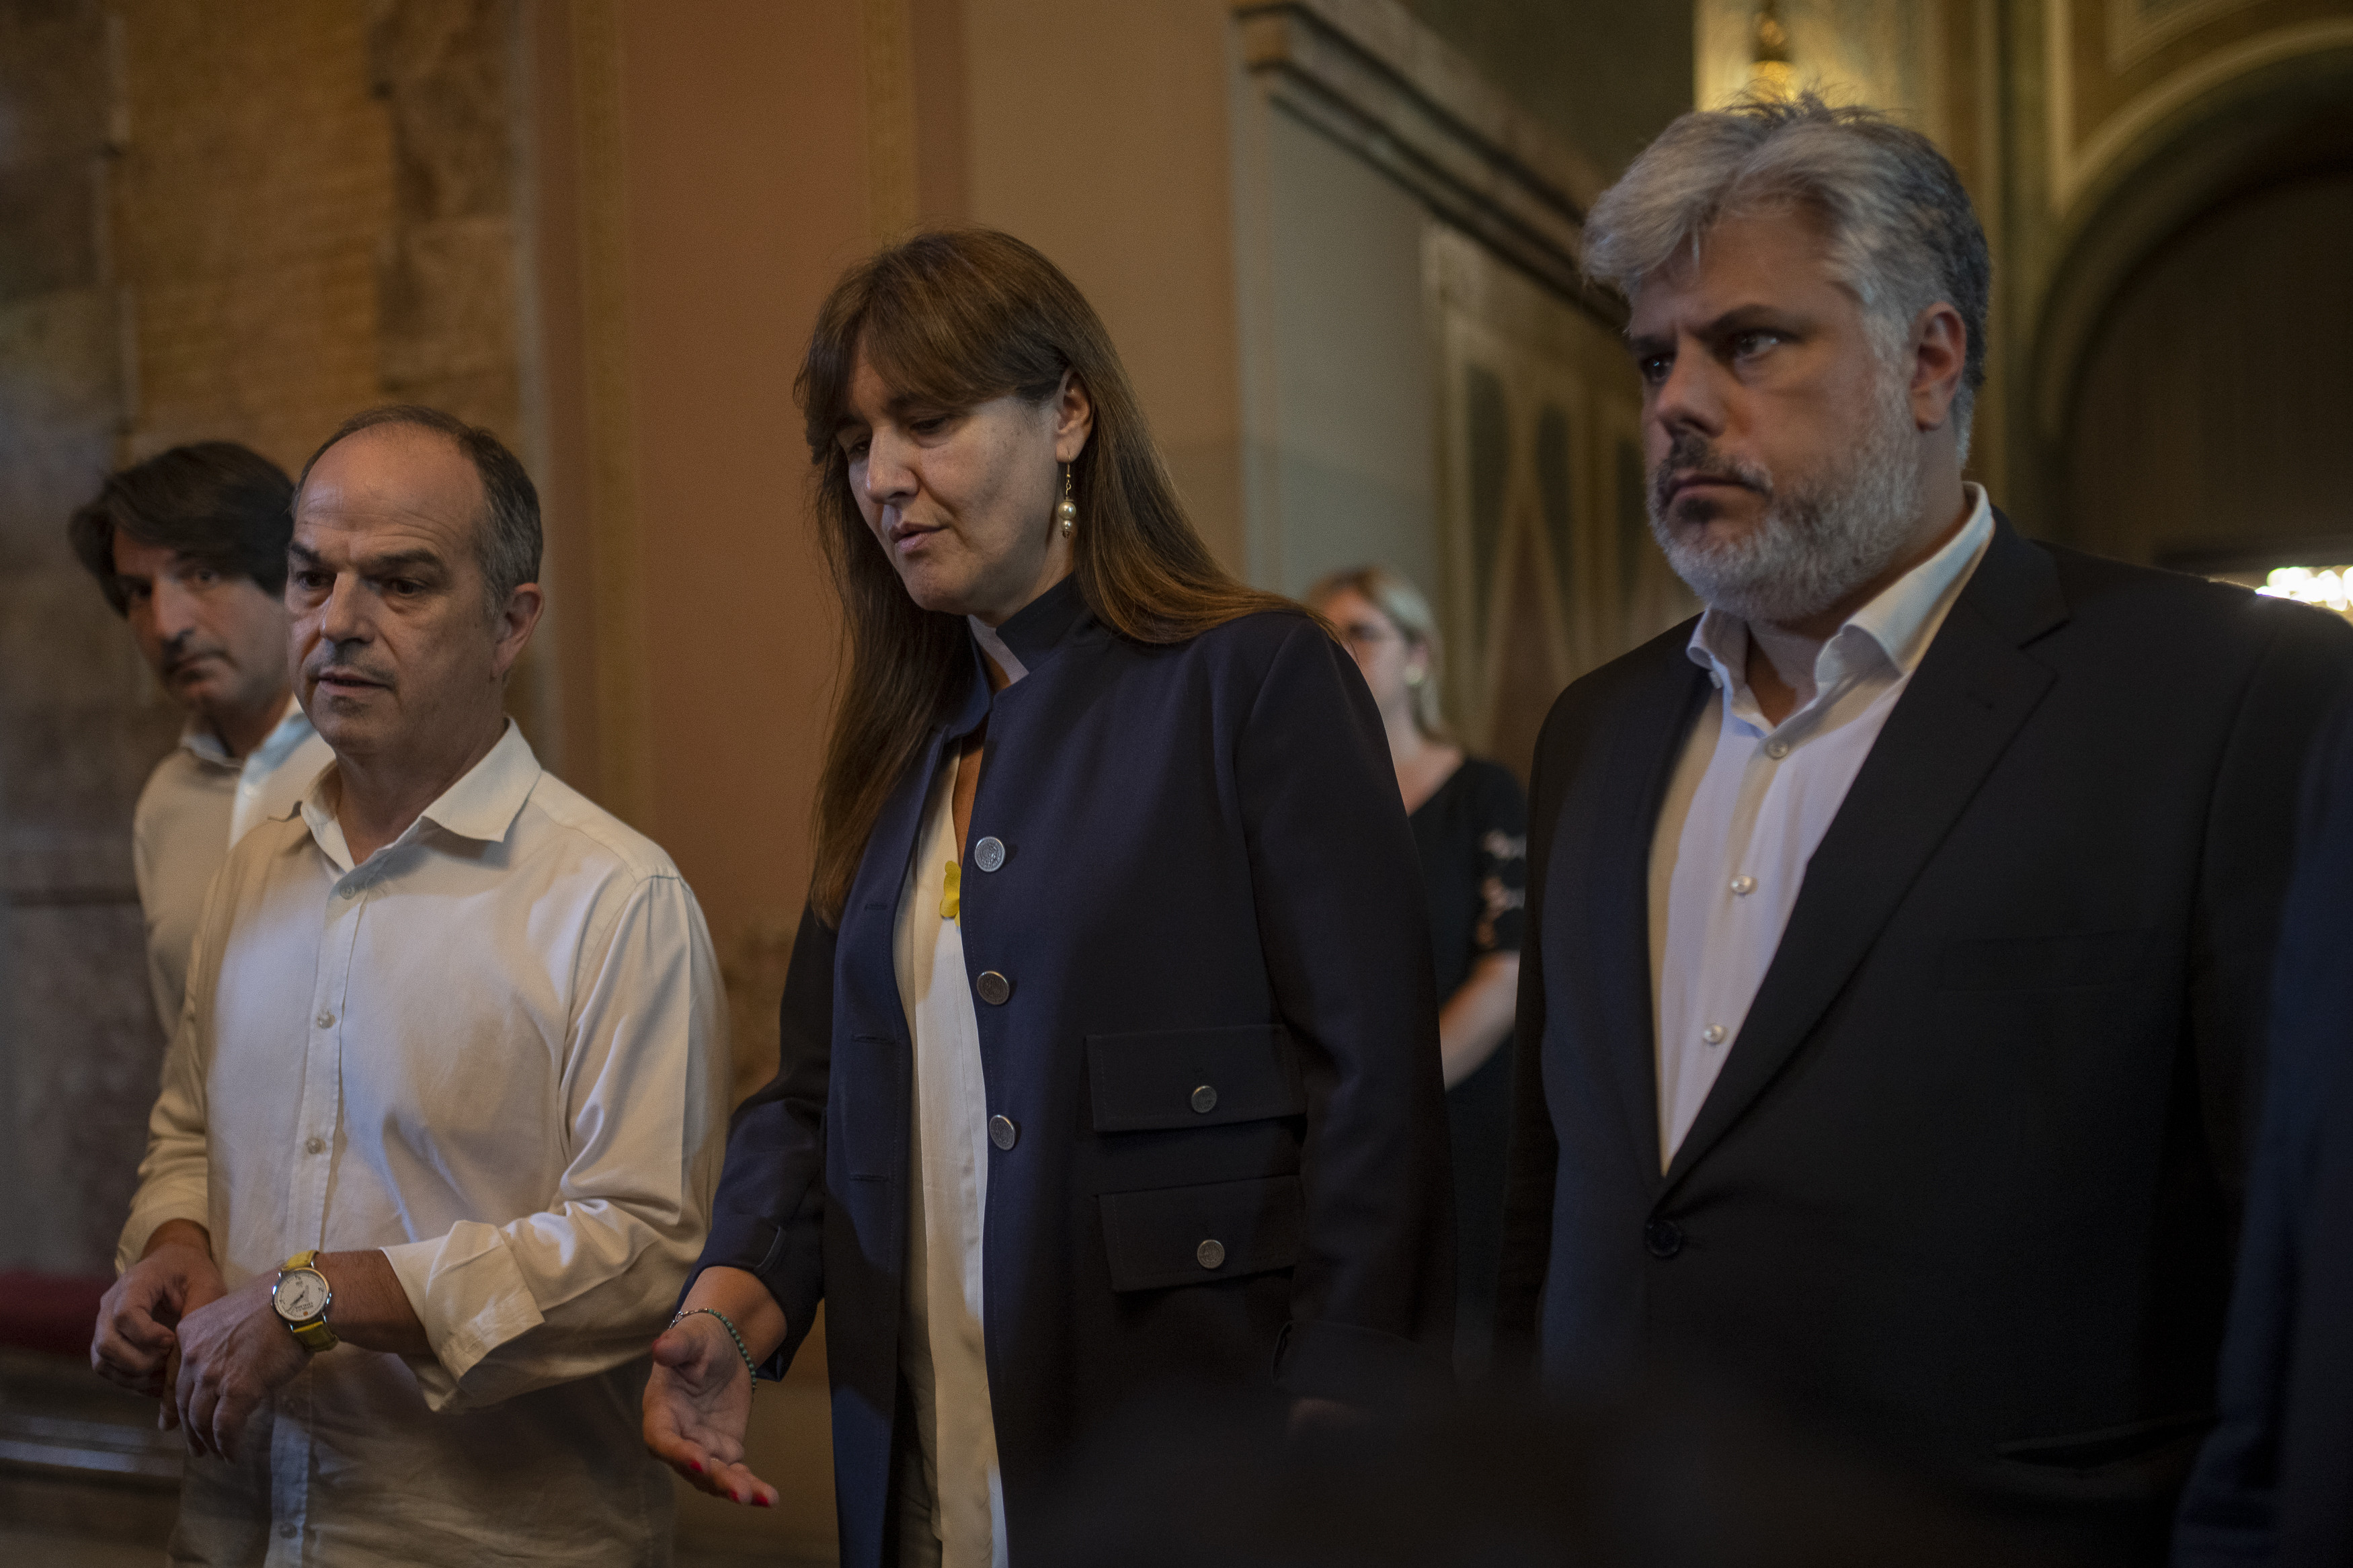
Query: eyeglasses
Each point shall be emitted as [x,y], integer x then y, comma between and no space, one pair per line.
[1368,634]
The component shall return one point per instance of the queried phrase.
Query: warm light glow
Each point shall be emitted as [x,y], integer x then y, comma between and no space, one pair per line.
[2327,586]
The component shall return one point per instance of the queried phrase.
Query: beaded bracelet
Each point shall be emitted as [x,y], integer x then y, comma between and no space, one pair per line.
[687,1312]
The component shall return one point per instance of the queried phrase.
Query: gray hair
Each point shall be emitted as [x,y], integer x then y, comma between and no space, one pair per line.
[1902,232]
[507,535]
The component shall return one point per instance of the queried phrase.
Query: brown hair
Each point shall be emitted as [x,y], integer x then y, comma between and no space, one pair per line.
[956,319]
[225,505]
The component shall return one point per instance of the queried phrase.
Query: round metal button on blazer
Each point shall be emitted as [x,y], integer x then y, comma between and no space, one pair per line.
[1002,1132]
[994,988]
[988,854]
[1205,1099]
[1210,1253]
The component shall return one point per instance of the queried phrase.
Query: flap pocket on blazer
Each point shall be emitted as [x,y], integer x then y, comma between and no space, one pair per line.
[1193,1077]
[2042,962]
[2109,1446]
[1191,1236]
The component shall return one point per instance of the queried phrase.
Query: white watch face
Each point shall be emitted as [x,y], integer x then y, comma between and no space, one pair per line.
[301,1295]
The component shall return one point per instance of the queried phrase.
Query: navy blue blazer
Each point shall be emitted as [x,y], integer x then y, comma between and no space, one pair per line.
[2275,1483]
[1207,880]
[1968,1180]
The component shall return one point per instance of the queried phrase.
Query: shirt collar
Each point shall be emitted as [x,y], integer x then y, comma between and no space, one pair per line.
[1896,626]
[199,741]
[999,653]
[482,806]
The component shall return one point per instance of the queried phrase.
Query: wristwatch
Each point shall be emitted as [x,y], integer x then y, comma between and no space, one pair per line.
[300,1298]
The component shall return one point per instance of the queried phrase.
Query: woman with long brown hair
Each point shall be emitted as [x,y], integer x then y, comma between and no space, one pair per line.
[1109,1045]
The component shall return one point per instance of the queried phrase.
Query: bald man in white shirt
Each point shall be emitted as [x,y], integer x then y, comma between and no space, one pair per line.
[438,1133]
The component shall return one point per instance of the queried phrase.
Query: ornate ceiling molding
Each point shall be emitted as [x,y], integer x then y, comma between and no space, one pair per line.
[1368,75]
[2081,155]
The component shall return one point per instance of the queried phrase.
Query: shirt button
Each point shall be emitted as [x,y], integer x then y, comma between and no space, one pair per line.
[326,1020]
[994,988]
[347,891]
[1002,1132]
[1743,886]
[988,854]
[1776,750]
[1713,1034]
[1205,1099]
[289,1530]
[1664,1237]
[313,1146]
[1210,1253]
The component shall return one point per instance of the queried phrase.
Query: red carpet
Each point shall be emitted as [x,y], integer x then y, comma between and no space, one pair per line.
[52,1312]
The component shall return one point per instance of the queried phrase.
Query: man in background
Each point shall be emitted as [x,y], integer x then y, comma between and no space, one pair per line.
[438,1133]
[1899,932]
[190,549]
[2275,1483]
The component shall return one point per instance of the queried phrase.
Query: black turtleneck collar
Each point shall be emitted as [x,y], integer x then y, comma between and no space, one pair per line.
[1033,632]
[1038,627]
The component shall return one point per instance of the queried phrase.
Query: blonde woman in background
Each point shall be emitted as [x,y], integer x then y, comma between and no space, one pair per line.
[1470,824]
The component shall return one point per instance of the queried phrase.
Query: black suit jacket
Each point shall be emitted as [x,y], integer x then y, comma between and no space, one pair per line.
[1967,1178]
[1208,880]
[2275,1483]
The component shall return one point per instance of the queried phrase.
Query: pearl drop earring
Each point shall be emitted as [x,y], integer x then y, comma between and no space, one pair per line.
[1068,512]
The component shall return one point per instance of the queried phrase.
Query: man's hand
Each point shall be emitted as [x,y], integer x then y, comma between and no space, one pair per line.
[1312,1415]
[134,1345]
[234,1355]
[698,1404]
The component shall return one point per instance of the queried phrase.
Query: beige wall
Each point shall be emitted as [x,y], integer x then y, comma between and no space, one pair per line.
[1353,430]
[1099,133]
[745,195]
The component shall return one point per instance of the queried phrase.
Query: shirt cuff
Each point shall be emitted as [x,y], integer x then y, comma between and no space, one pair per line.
[150,1217]
[469,1296]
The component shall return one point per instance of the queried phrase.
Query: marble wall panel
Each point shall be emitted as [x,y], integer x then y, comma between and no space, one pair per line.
[215,222]
[80,723]
[86,1053]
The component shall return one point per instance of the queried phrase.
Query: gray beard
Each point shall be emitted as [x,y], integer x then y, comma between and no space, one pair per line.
[1816,542]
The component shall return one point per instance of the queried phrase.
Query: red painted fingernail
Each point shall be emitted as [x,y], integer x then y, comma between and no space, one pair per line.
[695,1465]
[733,1497]
[761,1502]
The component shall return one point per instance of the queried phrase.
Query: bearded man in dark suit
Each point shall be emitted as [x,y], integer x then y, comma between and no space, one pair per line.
[1899,930]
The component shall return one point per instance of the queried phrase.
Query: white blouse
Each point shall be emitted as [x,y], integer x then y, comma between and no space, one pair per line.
[941,1351]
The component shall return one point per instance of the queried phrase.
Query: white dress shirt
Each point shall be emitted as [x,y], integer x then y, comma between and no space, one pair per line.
[494,1051]
[1749,801]
[198,802]
[942,1352]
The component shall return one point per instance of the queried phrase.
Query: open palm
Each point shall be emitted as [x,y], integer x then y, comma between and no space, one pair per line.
[698,1405]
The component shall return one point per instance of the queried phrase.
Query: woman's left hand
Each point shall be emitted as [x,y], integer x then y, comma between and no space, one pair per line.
[698,1408]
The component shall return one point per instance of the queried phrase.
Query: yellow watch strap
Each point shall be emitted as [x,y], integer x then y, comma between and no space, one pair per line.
[313,1336]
